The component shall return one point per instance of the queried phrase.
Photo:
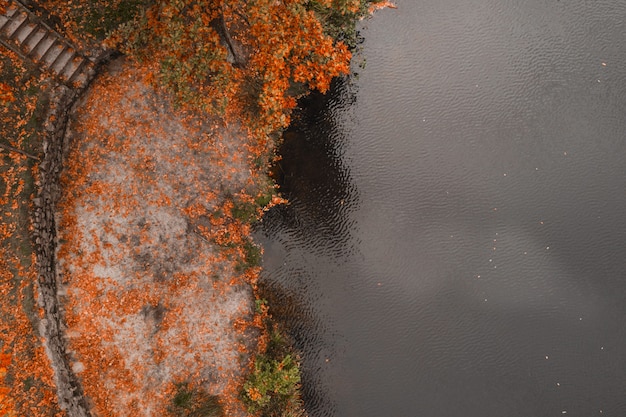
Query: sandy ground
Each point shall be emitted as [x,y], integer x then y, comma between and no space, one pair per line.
[150,298]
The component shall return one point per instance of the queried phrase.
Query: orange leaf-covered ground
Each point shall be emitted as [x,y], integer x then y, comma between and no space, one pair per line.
[26,381]
[151,252]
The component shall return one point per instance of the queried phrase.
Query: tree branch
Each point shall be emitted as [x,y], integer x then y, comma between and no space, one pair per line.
[12,149]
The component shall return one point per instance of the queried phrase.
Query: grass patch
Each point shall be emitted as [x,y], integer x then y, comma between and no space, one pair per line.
[195,402]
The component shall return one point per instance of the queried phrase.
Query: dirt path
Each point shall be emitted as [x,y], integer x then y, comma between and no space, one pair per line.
[151,258]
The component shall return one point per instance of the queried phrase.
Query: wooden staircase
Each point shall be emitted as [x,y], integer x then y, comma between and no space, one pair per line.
[25,34]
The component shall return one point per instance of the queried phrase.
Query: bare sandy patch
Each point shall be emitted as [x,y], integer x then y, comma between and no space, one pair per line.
[149,254]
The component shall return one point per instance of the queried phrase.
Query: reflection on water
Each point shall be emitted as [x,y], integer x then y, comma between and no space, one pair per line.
[312,173]
[315,227]
[455,243]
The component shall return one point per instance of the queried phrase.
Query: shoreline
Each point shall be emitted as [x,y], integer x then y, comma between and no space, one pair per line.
[72,264]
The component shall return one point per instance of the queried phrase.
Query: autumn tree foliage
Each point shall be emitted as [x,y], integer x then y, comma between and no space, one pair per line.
[251,58]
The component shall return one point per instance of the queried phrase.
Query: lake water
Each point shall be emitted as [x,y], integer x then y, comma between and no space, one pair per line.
[456,241]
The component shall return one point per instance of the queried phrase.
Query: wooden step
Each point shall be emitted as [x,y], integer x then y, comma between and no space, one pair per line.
[12,9]
[38,35]
[72,68]
[24,32]
[53,52]
[6,18]
[42,47]
[35,29]
[62,60]
[3,21]
[80,78]
[15,23]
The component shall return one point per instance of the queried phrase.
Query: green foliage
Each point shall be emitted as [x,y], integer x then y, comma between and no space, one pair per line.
[192,62]
[252,256]
[339,22]
[183,399]
[279,345]
[248,211]
[194,402]
[244,211]
[265,195]
[133,37]
[273,388]
[100,18]
[272,383]
[259,305]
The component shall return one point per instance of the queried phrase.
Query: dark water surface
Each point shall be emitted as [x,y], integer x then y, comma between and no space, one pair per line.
[456,245]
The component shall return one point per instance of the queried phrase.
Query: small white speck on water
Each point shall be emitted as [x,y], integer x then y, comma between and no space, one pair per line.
[525,253]
[424,119]
[601,347]
[598,80]
[478,276]
[547,357]
[604,64]
[505,174]
[485,300]
[490,260]
[580,318]
[558,384]
[564,412]
[536,169]
[547,247]
[565,153]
